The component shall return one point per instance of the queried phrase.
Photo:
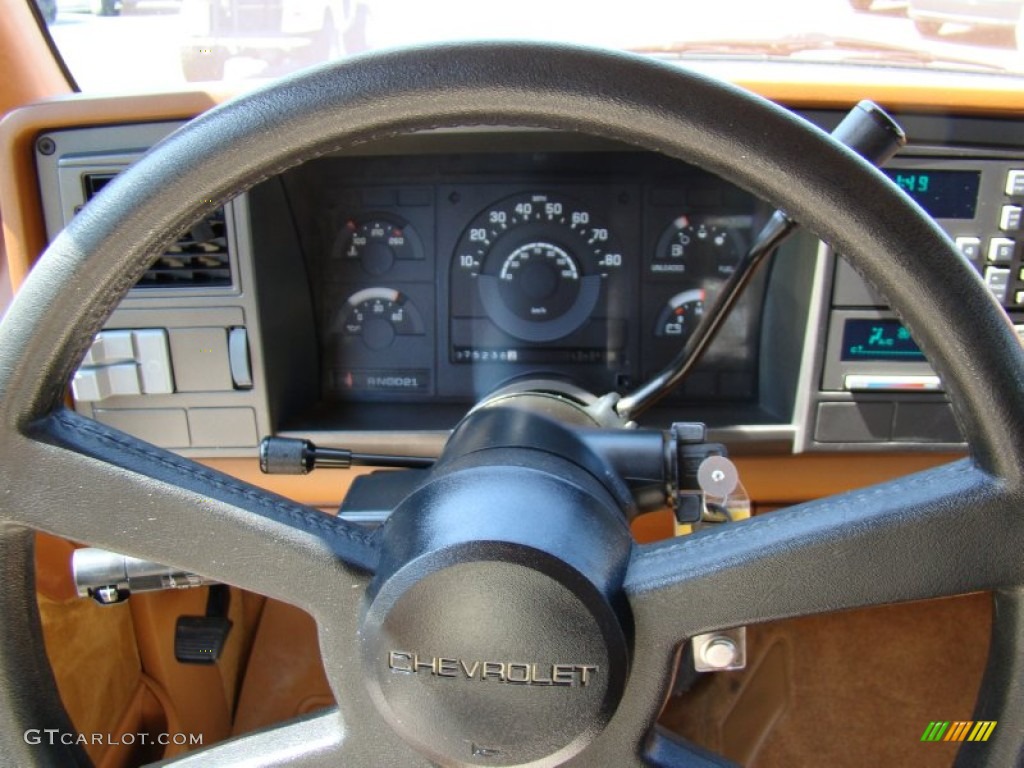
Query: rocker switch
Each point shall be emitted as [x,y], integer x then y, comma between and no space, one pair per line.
[92,385]
[110,347]
[238,358]
[154,359]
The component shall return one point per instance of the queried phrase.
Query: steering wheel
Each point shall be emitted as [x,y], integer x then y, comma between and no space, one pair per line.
[606,615]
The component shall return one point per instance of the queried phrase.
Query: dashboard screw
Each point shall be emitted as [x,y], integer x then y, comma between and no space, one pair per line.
[720,652]
[46,146]
[454,198]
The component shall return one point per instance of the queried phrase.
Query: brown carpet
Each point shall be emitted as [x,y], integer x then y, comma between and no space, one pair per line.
[850,689]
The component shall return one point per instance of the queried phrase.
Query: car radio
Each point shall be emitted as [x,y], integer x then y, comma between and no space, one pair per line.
[875,384]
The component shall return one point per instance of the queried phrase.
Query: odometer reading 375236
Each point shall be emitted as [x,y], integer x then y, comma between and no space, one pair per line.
[535,264]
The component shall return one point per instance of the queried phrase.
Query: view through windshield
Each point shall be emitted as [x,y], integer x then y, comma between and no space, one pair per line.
[119,45]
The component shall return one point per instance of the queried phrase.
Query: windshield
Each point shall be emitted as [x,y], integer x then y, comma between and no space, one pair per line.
[121,45]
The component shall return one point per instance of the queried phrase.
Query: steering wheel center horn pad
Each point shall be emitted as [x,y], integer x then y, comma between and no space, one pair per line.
[493,633]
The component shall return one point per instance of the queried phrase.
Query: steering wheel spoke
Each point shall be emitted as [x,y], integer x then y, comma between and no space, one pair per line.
[666,750]
[167,509]
[170,510]
[323,739]
[630,738]
[857,549]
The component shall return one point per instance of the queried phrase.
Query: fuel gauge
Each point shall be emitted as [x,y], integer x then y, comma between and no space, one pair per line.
[701,246]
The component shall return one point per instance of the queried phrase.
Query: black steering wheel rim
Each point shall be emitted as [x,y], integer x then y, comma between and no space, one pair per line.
[651,105]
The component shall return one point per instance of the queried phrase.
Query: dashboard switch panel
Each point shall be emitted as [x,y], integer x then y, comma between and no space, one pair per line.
[970,247]
[1015,182]
[92,385]
[854,422]
[110,347]
[201,359]
[154,359]
[1009,218]
[166,427]
[859,382]
[1000,250]
[124,363]
[238,358]
[998,280]
[222,427]
[869,357]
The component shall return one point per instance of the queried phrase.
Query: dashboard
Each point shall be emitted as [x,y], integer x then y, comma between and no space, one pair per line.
[384,292]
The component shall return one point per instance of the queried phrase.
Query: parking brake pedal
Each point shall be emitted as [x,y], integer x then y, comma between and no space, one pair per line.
[200,639]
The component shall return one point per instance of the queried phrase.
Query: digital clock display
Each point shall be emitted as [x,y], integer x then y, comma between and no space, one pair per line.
[867,339]
[944,194]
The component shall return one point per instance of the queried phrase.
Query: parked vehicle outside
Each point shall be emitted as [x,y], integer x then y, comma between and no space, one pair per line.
[930,16]
[878,6]
[271,30]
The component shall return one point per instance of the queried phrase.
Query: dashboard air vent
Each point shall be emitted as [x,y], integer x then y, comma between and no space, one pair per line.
[198,259]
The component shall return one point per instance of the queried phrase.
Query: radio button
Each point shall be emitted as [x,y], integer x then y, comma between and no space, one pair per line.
[1000,249]
[969,247]
[997,279]
[1009,218]
[925,423]
[1015,183]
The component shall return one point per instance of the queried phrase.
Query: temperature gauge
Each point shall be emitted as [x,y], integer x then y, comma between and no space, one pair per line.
[680,315]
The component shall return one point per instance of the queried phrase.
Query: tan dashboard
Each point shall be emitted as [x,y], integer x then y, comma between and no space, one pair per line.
[25,238]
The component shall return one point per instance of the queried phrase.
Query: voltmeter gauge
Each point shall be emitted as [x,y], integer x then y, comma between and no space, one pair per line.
[377,316]
[701,246]
[680,315]
[377,242]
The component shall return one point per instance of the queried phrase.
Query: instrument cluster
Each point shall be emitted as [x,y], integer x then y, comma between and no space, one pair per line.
[442,278]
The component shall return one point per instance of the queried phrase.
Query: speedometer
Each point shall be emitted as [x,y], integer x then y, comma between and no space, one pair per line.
[535,265]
